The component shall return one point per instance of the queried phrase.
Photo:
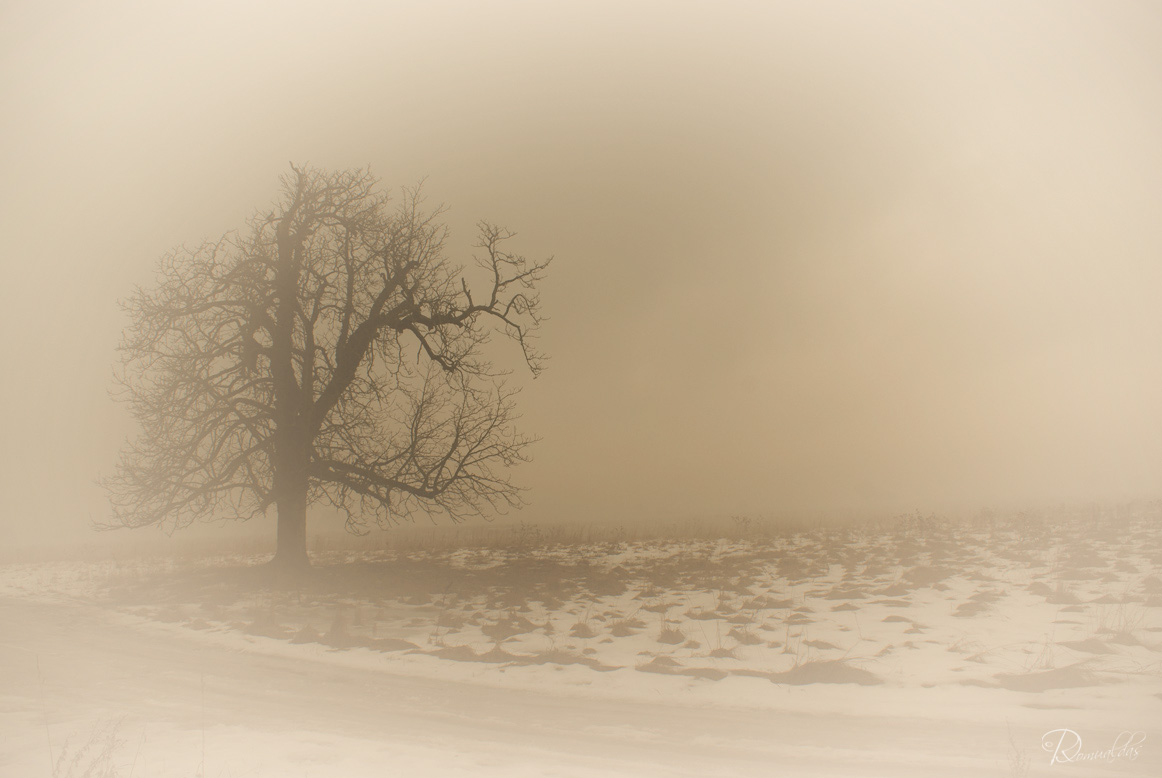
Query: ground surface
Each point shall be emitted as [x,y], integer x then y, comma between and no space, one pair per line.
[915,650]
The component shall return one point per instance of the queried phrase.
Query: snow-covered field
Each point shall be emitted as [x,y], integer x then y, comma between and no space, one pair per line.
[975,648]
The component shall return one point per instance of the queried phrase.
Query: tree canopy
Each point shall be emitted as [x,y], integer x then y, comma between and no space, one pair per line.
[329,352]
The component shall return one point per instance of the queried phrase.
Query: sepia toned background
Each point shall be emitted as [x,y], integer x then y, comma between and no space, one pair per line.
[812,258]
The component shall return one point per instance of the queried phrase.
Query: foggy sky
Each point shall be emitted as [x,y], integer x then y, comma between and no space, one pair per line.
[811,257]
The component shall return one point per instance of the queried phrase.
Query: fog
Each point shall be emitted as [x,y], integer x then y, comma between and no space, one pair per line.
[811,258]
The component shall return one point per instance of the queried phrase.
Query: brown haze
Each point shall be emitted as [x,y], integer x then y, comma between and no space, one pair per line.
[811,257]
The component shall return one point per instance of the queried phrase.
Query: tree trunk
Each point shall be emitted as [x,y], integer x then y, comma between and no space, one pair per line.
[292,403]
[291,549]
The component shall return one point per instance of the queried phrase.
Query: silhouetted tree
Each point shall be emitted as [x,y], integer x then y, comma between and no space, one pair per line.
[331,352]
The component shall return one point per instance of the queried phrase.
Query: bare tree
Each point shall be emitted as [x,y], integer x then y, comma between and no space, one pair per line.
[332,352]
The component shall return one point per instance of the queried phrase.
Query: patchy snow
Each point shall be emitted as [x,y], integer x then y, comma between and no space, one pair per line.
[845,652]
